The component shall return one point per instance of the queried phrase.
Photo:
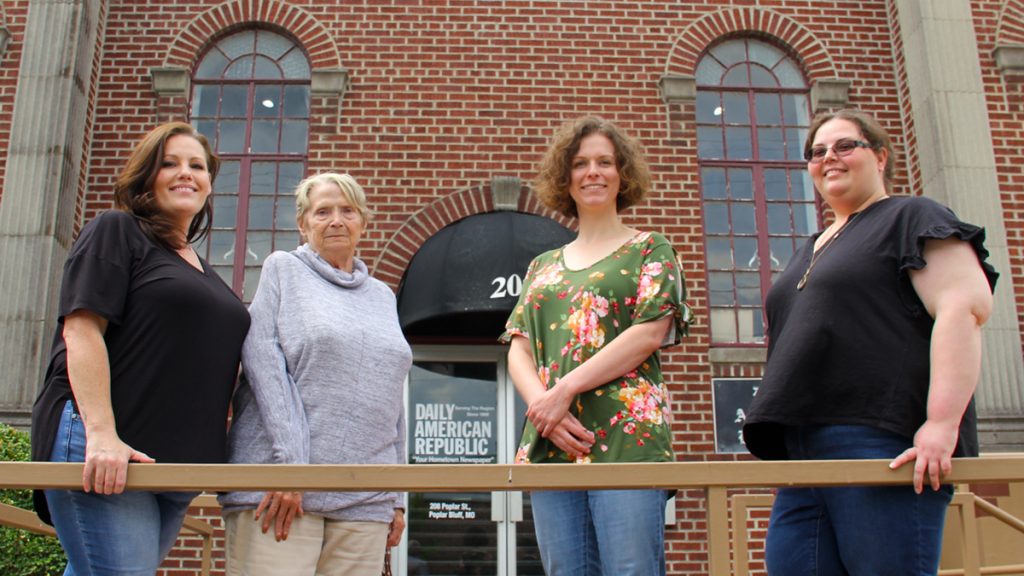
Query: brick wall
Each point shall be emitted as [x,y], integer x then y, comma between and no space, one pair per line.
[444,96]
[12,17]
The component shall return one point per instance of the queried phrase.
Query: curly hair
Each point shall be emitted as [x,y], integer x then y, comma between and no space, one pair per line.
[869,128]
[554,175]
[133,190]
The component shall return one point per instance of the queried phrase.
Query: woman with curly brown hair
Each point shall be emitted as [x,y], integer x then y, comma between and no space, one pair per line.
[584,355]
[144,360]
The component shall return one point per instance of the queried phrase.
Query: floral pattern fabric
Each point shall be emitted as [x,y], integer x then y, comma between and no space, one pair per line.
[569,315]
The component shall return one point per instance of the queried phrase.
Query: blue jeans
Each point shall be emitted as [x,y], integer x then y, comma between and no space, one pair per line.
[121,534]
[857,531]
[595,532]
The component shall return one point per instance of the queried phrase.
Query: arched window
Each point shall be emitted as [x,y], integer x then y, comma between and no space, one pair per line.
[759,203]
[250,97]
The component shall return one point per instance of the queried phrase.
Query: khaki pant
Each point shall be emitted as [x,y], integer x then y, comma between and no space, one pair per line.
[315,546]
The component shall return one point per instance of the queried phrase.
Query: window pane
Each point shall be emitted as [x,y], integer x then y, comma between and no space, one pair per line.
[775,186]
[803,188]
[240,69]
[746,253]
[295,65]
[730,52]
[294,137]
[778,219]
[736,108]
[723,325]
[267,101]
[266,69]
[235,101]
[272,45]
[743,218]
[709,72]
[289,176]
[204,100]
[708,107]
[251,282]
[222,247]
[257,248]
[796,109]
[719,254]
[264,136]
[736,76]
[712,182]
[782,252]
[261,212]
[709,143]
[225,273]
[741,184]
[212,65]
[716,218]
[789,75]
[285,219]
[263,176]
[768,109]
[225,208]
[296,101]
[751,325]
[227,178]
[238,44]
[763,53]
[207,128]
[232,137]
[286,240]
[795,143]
[761,78]
[720,290]
[738,144]
[748,288]
[805,219]
[769,142]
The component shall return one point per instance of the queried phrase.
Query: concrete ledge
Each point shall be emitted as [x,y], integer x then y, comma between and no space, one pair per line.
[505,192]
[677,89]
[757,355]
[329,82]
[170,81]
[830,93]
[1010,60]
[1001,433]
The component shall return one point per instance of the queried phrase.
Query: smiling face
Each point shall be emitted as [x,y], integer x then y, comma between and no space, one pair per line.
[849,181]
[182,183]
[594,179]
[331,225]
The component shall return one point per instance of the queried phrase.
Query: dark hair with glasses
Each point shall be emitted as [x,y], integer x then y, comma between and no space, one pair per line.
[874,137]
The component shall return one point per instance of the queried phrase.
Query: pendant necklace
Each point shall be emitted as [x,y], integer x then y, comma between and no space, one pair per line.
[817,254]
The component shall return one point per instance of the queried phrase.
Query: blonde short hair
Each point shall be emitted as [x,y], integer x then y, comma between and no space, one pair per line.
[350,189]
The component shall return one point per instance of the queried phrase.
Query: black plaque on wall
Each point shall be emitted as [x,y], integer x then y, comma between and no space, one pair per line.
[731,398]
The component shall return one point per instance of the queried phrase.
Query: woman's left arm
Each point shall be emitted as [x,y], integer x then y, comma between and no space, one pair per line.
[957,295]
[620,356]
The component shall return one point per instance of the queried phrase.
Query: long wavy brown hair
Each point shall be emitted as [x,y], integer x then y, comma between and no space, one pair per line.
[555,174]
[133,190]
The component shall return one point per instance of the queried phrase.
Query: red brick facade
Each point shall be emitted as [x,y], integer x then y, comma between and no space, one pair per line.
[443,96]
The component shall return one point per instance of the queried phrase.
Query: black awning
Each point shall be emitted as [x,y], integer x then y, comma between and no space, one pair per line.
[465,280]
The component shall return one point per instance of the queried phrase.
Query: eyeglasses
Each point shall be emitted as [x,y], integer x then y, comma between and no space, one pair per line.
[842,147]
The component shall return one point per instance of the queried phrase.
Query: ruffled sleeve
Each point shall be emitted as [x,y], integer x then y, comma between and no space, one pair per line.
[661,289]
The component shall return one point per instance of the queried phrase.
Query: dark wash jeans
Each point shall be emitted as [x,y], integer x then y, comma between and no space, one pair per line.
[856,531]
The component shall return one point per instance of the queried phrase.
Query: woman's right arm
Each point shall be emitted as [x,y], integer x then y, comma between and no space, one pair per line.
[568,434]
[106,456]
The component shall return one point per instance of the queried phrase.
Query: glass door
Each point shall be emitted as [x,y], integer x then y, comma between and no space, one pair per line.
[462,409]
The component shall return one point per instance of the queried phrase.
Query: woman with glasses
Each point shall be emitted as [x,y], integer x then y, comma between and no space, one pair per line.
[874,351]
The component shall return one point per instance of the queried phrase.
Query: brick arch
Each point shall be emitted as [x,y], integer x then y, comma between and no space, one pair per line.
[706,30]
[314,37]
[1010,29]
[418,228]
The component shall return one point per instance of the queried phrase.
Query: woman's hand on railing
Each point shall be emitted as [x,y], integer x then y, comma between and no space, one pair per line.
[278,509]
[106,462]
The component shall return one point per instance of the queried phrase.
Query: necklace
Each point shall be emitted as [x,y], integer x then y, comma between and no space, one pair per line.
[817,254]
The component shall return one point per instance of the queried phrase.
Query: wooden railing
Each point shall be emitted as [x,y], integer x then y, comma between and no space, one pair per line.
[715,478]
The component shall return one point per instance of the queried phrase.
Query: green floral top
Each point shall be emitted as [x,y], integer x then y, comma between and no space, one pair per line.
[569,315]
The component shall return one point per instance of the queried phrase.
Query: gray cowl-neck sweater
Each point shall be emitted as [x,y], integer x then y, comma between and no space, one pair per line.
[324,367]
